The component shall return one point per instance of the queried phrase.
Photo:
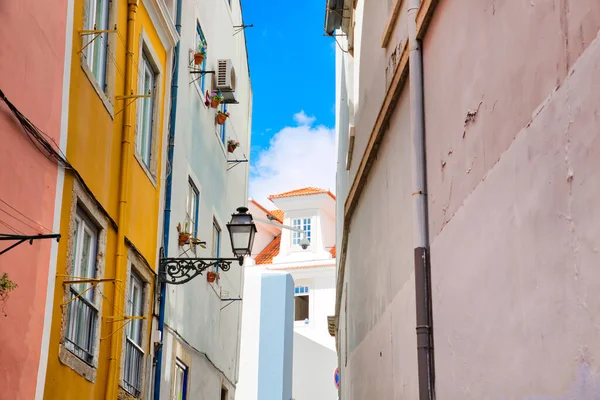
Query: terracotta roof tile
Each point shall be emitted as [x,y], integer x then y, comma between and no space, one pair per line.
[332,251]
[274,213]
[267,254]
[307,191]
[279,214]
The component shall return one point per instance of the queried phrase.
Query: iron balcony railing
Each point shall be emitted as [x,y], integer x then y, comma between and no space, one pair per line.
[81,327]
[134,359]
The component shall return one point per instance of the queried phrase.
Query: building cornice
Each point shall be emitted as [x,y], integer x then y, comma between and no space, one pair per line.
[162,22]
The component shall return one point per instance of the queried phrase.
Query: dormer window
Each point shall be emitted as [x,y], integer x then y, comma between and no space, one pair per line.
[305,225]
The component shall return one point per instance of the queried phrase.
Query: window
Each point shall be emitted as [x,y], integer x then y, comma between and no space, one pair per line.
[180,381]
[216,242]
[96,18]
[224,393]
[200,39]
[134,354]
[82,313]
[301,223]
[301,290]
[191,208]
[145,110]
[222,127]
[216,239]
[301,303]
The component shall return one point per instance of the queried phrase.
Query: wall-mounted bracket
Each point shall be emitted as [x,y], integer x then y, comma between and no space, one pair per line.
[96,32]
[240,28]
[199,72]
[135,96]
[235,163]
[177,271]
[24,238]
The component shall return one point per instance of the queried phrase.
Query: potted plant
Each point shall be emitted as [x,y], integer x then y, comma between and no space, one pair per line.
[200,53]
[232,145]
[211,276]
[184,235]
[215,99]
[221,117]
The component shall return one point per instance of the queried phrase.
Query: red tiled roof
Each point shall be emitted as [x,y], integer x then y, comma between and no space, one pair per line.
[277,214]
[307,191]
[332,251]
[274,213]
[267,254]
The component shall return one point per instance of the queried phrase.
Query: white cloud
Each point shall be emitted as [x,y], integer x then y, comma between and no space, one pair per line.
[297,156]
[302,119]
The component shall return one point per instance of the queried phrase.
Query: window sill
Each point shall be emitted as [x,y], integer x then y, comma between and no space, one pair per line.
[103,97]
[145,168]
[76,364]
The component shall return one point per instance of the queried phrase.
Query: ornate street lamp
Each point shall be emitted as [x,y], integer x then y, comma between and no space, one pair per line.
[242,229]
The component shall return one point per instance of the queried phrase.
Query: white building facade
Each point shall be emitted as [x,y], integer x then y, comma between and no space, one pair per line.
[278,249]
[200,340]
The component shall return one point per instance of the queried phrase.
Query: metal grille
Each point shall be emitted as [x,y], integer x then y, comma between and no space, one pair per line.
[81,327]
[222,73]
[134,359]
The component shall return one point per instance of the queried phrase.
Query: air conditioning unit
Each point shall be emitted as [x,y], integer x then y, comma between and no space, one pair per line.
[225,81]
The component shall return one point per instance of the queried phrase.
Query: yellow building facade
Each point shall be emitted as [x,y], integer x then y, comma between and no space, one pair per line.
[100,345]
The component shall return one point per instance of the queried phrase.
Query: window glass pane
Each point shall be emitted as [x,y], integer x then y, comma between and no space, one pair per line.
[201,40]
[95,52]
[81,313]
[145,110]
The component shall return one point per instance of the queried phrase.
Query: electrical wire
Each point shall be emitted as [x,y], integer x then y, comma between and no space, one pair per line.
[17,219]
[12,228]
[20,213]
[52,153]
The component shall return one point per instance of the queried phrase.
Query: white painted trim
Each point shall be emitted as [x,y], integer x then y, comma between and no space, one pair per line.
[58,197]
[162,22]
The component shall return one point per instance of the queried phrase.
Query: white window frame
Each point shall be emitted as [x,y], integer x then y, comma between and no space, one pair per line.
[96,17]
[83,208]
[192,205]
[134,351]
[135,334]
[148,61]
[180,366]
[304,291]
[146,110]
[82,294]
[301,223]
[216,239]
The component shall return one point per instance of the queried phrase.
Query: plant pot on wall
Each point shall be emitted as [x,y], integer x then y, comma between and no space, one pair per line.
[211,276]
[198,58]
[230,148]
[214,102]
[184,238]
[221,118]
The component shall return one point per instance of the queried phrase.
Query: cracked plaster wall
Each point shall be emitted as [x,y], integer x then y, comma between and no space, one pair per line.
[503,59]
[515,266]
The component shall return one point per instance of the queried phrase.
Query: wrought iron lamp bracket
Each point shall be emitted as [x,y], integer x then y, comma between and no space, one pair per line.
[177,271]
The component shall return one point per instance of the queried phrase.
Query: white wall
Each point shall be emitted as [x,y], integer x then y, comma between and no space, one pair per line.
[247,387]
[194,309]
[314,366]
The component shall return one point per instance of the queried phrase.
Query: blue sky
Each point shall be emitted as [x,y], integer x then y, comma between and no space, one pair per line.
[292,68]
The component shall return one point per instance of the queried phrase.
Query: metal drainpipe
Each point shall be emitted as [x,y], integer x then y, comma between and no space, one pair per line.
[421,230]
[168,190]
[124,179]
